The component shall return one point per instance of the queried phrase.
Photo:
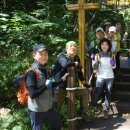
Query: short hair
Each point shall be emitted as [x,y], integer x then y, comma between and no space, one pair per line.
[71,43]
[108,43]
[117,22]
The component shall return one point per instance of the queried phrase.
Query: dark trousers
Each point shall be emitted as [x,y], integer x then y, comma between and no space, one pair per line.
[118,60]
[51,117]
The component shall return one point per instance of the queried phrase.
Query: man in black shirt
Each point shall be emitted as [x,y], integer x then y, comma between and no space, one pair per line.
[67,59]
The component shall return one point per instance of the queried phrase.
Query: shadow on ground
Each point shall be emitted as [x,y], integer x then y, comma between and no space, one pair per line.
[98,123]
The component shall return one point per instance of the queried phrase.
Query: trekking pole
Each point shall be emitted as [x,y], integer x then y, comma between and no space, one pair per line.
[90,79]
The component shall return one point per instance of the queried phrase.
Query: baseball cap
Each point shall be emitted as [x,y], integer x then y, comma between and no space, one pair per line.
[39,47]
[112,29]
[71,43]
[99,29]
[107,23]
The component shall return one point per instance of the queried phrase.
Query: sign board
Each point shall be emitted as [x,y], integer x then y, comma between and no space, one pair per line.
[115,4]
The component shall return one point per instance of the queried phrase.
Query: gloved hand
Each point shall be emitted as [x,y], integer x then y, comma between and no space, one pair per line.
[65,76]
[112,62]
[87,84]
[92,56]
[48,83]
[76,63]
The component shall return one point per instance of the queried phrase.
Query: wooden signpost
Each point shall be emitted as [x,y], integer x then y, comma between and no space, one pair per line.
[115,4]
[81,7]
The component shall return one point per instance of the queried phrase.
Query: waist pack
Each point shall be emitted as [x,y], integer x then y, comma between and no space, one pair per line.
[19,83]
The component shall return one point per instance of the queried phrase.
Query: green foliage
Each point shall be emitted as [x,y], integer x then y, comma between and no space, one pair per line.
[25,23]
[20,31]
[18,120]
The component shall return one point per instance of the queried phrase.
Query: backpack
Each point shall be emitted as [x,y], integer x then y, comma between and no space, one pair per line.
[94,50]
[19,83]
[56,67]
[57,71]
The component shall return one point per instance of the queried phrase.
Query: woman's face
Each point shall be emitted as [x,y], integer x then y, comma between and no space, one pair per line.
[104,47]
[111,34]
[41,56]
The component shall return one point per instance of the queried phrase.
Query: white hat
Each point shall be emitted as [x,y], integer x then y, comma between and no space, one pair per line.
[99,29]
[112,29]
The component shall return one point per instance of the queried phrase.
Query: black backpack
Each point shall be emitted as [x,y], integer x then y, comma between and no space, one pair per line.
[56,67]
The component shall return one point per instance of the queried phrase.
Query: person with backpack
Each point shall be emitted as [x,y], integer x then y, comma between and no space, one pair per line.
[40,101]
[93,47]
[103,69]
[67,59]
[120,39]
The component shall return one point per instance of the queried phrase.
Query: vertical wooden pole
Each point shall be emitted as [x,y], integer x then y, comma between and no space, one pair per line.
[82,35]
[71,99]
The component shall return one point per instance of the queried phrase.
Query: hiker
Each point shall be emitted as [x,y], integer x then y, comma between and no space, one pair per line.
[67,59]
[106,26]
[104,72]
[119,40]
[93,47]
[111,37]
[40,93]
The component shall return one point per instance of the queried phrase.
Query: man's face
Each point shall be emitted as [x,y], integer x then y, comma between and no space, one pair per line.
[118,26]
[41,56]
[99,35]
[107,26]
[71,50]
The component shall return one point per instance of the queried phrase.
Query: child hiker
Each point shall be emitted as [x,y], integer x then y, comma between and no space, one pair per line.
[103,68]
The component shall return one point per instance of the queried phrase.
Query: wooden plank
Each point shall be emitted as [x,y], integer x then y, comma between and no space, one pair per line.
[73,7]
[91,6]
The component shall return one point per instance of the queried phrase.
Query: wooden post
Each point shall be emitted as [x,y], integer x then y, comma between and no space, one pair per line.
[71,98]
[80,7]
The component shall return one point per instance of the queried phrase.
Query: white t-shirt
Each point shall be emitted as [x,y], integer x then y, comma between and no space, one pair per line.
[105,69]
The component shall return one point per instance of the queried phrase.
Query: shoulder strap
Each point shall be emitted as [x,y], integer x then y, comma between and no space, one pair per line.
[99,57]
[93,43]
[35,71]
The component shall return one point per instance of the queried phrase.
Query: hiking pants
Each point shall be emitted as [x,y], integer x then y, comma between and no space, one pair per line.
[51,117]
[100,82]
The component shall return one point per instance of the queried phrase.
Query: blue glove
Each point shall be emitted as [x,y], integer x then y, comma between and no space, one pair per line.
[48,83]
